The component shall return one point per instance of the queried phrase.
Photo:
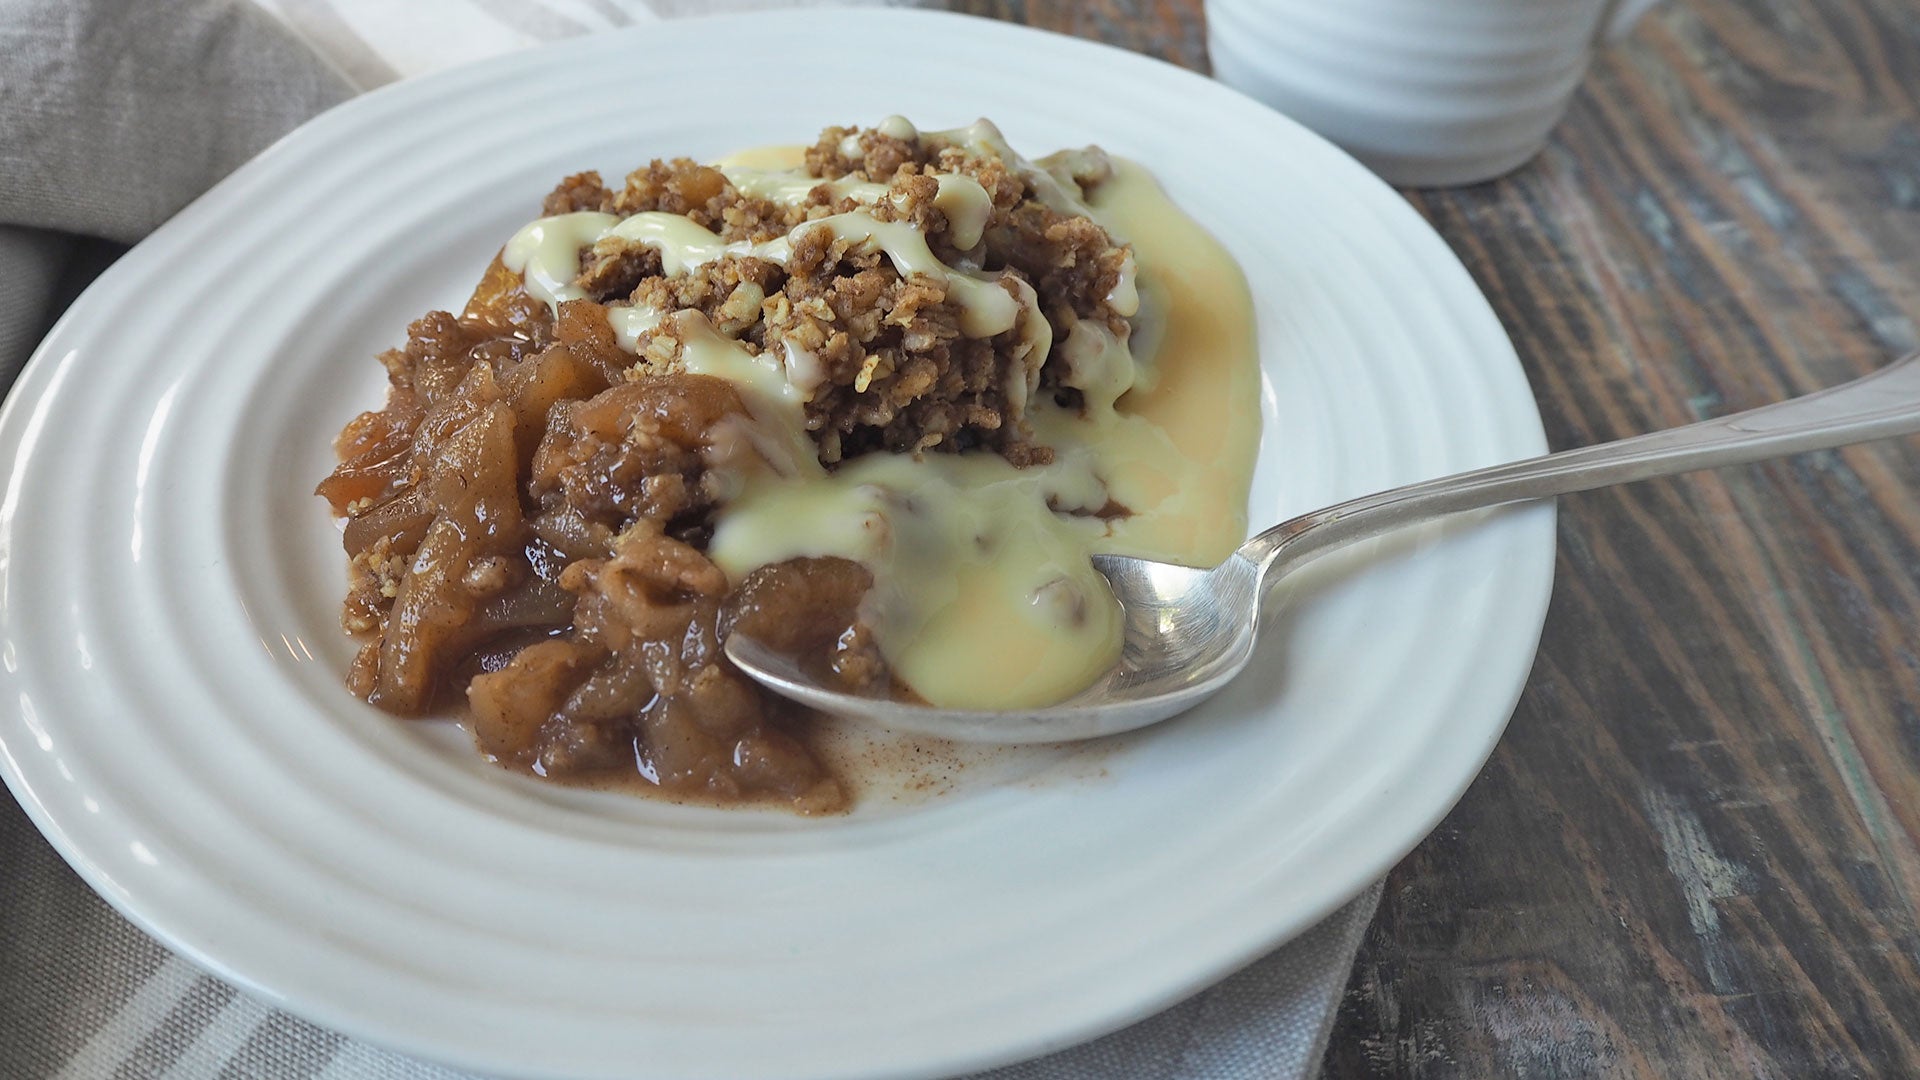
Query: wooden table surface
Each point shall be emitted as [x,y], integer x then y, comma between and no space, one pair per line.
[1696,853]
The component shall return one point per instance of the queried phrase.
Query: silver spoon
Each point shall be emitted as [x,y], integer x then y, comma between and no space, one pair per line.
[1189,632]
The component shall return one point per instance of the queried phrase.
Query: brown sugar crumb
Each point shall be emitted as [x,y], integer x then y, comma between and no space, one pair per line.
[878,156]
[680,186]
[894,372]
[728,291]
[882,356]
[579,192]
[613,268]
[1076,264]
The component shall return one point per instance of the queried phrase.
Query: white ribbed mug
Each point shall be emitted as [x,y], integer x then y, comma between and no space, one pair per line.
[1428,93]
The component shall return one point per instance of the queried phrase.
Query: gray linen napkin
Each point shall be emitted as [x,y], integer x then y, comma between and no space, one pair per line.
[112,117]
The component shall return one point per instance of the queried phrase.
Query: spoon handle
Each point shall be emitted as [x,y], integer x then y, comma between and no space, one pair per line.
[1875,406]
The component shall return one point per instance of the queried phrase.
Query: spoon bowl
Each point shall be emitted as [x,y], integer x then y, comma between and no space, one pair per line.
[1188,631]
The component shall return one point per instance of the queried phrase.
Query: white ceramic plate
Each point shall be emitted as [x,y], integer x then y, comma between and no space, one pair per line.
[169,588]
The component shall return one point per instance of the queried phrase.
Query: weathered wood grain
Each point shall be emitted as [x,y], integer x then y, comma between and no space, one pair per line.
[1697,851]
[1169,29]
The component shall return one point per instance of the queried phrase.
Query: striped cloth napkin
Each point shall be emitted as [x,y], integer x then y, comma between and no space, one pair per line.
[178,94]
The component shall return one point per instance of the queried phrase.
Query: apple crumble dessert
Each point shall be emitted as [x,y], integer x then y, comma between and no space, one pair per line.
[873,402]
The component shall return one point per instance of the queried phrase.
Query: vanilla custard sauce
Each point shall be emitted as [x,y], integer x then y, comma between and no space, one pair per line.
[983,593]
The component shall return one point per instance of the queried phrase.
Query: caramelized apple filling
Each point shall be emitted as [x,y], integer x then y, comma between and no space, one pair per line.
[873,403]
